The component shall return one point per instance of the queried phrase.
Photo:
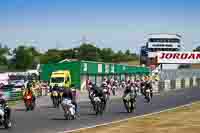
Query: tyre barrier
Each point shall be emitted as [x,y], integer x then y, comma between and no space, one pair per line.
[186,83]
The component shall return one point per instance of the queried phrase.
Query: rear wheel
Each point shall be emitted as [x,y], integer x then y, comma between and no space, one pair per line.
[113,91]
[129,106]
[97,107]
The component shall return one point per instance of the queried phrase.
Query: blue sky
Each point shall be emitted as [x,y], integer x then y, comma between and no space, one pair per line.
[120,24]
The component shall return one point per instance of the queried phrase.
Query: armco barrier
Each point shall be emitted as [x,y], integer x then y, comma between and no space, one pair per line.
[15,95]
[186,83]
[18,95]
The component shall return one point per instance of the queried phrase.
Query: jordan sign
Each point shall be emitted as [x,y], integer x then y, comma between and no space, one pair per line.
[178,57]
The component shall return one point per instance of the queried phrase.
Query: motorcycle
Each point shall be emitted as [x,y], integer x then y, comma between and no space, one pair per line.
[129,103]
[98,106]
[69,109]
[114,90]
[55,99]
[4,121]
[106,93]
[29,104]
[148,95]
[123,85]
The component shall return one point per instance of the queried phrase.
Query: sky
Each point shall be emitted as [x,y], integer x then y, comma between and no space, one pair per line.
[119,24]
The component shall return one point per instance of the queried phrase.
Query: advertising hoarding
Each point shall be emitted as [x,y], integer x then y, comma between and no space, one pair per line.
[178,57]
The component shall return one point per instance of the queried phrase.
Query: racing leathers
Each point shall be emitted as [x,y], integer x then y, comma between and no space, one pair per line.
[29,92]
[148,85]
[58,90]
[130,90]
[68,94]
[97,92]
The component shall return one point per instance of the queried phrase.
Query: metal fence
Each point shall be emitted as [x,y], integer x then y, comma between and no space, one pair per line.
[179,74]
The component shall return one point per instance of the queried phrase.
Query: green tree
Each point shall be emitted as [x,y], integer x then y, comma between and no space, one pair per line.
[197,49]
[88,52]
[128,53]
[51,56]
[118,57]
[107,54]
[24,58]
[4,51]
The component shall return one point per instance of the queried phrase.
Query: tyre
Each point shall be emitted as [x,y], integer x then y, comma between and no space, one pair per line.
[7,124]
[55,102]
[97,108]
[148,97]
[113,91]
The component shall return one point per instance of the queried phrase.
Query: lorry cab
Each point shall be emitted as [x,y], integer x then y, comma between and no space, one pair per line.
[61,78]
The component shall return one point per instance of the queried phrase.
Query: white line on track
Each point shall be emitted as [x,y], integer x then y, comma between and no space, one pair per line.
[136,117]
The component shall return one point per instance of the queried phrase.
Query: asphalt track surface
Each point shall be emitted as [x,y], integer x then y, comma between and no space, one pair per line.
[45,119]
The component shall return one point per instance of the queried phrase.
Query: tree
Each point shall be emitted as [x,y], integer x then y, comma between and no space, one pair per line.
[119,57]
[197,49]
[51,56]
[127,53]
[106,54]
[88,52]
[4,51]
[24,58]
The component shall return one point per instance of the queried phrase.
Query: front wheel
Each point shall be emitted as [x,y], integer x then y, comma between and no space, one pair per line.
[129,106]
[148,97]
[7,124]
[55,102]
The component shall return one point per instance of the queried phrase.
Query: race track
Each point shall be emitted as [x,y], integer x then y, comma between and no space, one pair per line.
[49,120]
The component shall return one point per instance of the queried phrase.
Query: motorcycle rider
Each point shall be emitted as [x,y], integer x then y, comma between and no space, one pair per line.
[4,104]
[57,89]
[105,82]
[29,91]
[123,84]
[97,92]
[148,85]
[142,87]
[130,89]
[69,93]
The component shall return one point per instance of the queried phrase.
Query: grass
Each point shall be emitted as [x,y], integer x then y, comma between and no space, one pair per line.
[181,120]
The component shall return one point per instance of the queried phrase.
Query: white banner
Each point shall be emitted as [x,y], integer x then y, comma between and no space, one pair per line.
[178,57]
[163,45]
